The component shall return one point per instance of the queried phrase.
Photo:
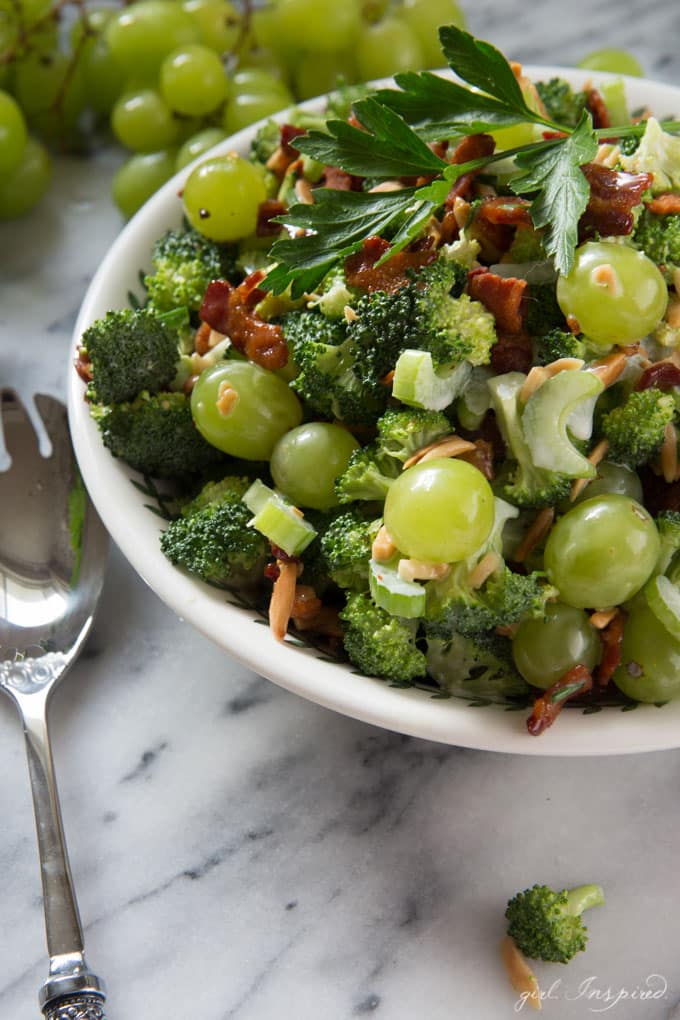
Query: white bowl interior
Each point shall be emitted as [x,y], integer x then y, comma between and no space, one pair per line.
[241,633]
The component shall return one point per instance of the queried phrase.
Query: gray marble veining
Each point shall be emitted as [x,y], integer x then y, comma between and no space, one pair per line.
[253,856]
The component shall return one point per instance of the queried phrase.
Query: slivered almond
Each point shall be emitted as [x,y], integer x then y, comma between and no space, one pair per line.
[605,276]
[215,338]
[421,570]
[522,978]
[537,531]
[461,211]
[449,446]
[227,398]
[202,339]
[434,230]
[597,454]
[283,598]
[484,569]
[303,191]
[603,617]
[383,548]
[573,324]
[607,155]
[610,368]
[541,373]
[386,186]
[669,453]
[349,314]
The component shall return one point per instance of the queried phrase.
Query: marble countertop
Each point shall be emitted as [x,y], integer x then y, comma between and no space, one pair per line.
[240,853]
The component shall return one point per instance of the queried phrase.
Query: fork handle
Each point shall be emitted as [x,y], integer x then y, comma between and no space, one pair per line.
[76,1007]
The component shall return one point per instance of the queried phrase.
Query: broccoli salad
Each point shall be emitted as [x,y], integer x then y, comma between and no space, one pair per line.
[411,371]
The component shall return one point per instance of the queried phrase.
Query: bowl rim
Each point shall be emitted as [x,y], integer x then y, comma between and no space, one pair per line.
[135,530]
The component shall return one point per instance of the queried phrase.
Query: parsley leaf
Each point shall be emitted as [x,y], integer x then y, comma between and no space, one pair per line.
[561,190]
[341,221]
[387,148]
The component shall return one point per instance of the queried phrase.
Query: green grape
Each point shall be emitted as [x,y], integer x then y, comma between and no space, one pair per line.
[602,551]
[545,648]
[312,77]
[193,81]
[650,658]
[23,187]
[9,29]
[140,177]
[387,47]
[441,511]
[616,294]
[142,34]
[197,145]
[51,90]
[13,134]
[265,47]
[307,460]
[222,196]
[616,61]
[612,478]
[324,28]
[104,78]
[253,94]
[424,18]
[33,11]
[141,121]
[243,409]
[219,23]
[90,22]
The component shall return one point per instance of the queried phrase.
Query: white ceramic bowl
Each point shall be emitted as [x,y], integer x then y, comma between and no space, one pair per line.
[239,632]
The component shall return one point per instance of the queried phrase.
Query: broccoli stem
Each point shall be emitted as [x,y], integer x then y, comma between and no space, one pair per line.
[582,898]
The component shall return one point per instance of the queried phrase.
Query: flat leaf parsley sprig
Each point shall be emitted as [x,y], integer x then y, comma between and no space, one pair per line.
[396,127]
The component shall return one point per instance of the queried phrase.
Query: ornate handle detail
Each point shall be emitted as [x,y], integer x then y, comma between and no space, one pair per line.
[76,1007]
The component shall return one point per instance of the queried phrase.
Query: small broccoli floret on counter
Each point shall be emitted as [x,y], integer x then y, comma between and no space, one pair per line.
[368,476]
[155,434]
[184,264]
[130,351]
[562,103]
[635,429]
[547,925]
[658,237]
[478,666]
[401,433]
[328,378]
[379,644]
[213,539]
[346,547]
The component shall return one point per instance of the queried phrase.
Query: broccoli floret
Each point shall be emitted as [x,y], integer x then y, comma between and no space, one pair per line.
[562,103]
[155,434]
[327,379]
[635,429]
[368,475]
[184,264]
[522,483]
[547,925]
[429,313]
[333,295]
[346,547]
[379,644]
[558,343]
[543,312]
[266,141]
[213,539]
[658,237]
[130,351]
[477,666]
[659,154]
[401,433]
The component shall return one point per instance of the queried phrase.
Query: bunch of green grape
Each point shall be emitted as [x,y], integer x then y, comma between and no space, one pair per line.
[171,78]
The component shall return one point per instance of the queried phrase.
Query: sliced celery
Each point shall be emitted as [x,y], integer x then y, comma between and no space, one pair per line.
[546,417]
[277,519]
[392,593]
[418,384]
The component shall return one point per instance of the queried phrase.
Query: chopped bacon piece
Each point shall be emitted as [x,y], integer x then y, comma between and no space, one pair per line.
[502,209]
[306,602]
[613,196]
[481,457]
[659,495]
[230,310]
[511,353]
[503,296]
[548,706]
[287,132]
[266,211]
[82,365]
[662,375]
[611,637]
[598,109]
[665,205]
[360,269]
[471,147]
